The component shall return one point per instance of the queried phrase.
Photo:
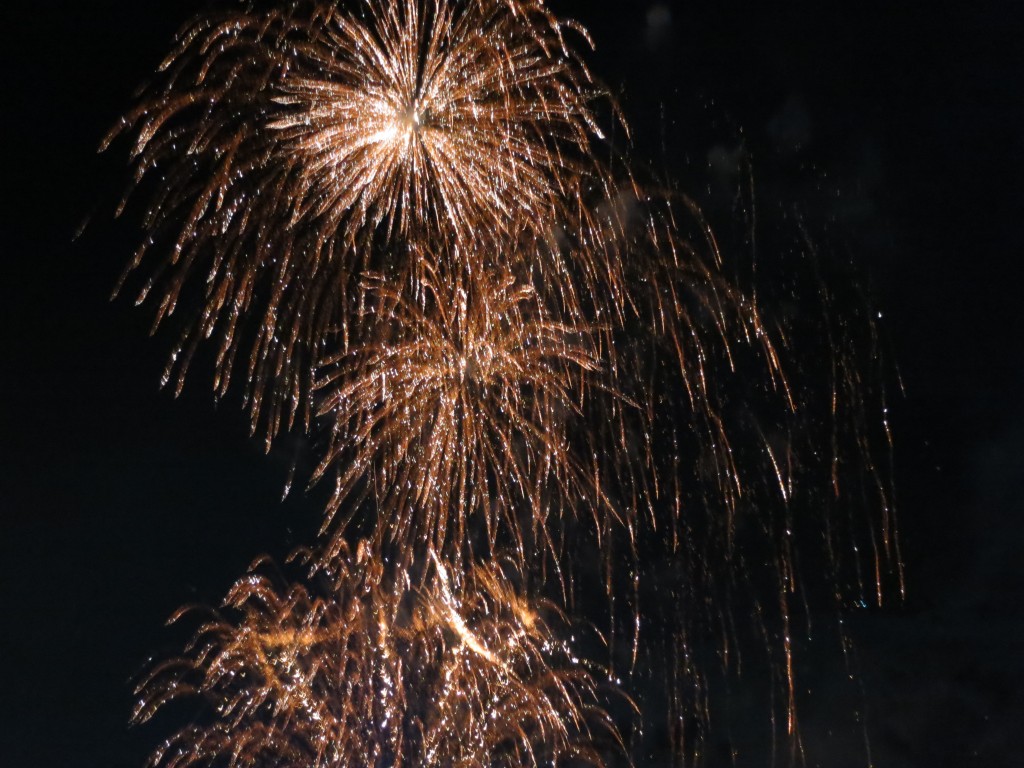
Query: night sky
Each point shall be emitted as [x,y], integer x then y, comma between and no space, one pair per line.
[899,132]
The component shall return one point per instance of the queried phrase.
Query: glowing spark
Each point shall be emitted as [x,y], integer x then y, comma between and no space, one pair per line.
[457,409]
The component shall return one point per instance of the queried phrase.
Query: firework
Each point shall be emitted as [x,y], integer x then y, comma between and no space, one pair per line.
[770,500]
[465,408]
[349,669]
[391,216]
[299,147]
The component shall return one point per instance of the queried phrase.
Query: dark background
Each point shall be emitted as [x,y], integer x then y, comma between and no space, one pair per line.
[901,129]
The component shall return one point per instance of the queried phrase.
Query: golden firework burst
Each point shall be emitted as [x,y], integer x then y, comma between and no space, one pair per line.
[298,147]
[346,668]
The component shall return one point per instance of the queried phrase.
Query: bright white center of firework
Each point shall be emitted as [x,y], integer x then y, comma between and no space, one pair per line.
[395,124]
[400,127]
[386,135]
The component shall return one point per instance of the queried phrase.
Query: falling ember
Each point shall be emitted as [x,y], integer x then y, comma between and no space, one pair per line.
[347,668]
[461,409]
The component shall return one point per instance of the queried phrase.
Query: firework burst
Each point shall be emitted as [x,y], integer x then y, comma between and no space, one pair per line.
[348,669]
[391,216]
[464,407]
[298,147]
